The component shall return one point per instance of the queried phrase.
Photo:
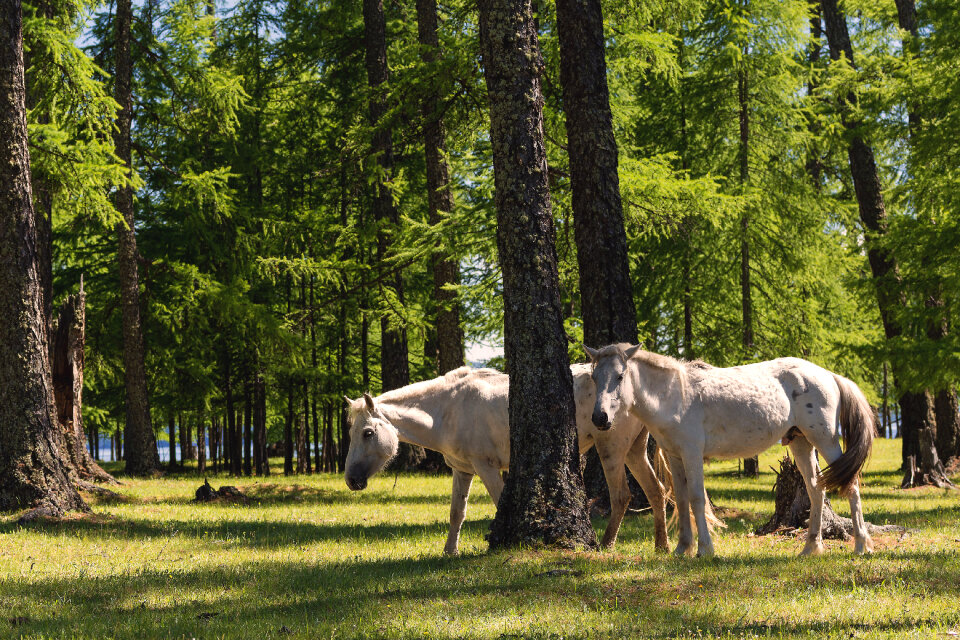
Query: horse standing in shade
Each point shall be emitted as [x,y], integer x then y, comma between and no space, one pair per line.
[463,415]
[696,412]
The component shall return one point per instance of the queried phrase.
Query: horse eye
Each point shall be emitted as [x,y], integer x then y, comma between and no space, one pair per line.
[368,433]
[620,378]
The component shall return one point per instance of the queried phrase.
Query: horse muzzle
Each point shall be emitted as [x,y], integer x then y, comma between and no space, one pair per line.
[356,483]
[601,421]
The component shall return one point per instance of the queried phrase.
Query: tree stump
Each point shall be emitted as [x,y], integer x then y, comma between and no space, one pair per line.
[792,509]
[68,337]
[930,471]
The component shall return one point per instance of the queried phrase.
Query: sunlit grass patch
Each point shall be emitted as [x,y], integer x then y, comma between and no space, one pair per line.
[306,555]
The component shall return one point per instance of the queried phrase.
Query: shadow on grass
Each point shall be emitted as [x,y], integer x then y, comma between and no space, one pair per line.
[355,597]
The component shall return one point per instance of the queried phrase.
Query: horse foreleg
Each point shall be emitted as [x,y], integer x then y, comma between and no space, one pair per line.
[685,534]
[458,509]
[616,477]
[492,480]
[697,496]
[643,471]
[806,458]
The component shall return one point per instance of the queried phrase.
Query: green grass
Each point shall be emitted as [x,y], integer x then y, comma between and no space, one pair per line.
[308,556]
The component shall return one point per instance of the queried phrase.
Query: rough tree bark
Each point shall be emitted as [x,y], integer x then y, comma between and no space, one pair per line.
[140,446]
[68,337]
[543,501]
[34,471]
[608,310]
[914,409]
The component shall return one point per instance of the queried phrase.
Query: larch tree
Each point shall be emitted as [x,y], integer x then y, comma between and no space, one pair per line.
[34,471]
[946,405]
[140,444]
[543,500]
[918,418]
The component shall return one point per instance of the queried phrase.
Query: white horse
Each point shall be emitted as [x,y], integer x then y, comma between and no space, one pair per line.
[463,415]
[696,412]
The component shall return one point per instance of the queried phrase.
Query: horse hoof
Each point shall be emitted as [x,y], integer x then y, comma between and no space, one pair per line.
[705,553]
[863,547]
[451,553]
[682,551]
[812,549]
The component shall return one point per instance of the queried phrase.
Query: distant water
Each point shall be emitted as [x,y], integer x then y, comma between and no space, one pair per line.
[163,448]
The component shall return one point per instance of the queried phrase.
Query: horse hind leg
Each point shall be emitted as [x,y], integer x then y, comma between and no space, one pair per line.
[458,510]
[806,457]
[685,534]
[863,543]
[830,449]
[640,467]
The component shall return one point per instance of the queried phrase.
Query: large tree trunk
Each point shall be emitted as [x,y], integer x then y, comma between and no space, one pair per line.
[543,501]
[34,469]
[140,446]
[609,314]
[67,375]
[914,407]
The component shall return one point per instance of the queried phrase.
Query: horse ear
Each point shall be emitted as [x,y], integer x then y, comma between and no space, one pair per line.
[348,401]
[591,353]
[632,351]
[369,400]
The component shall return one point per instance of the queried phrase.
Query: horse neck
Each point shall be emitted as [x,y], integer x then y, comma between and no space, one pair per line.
[656,392]
[417,419]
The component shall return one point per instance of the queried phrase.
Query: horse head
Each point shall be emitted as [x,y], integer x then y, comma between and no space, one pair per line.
[609,370]
[373,442]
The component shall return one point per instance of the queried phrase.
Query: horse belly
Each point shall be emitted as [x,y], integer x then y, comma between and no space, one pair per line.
[744,431]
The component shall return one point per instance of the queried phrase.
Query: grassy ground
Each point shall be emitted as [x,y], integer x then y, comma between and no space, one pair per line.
[309,557]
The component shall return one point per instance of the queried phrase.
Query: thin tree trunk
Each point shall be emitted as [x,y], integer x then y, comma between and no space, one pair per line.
[34,469]
[449,337]
[288,433]
[172,435]
[141,446]
[751,466]
[393,351]
[543,501]
[201,447]
[247,424]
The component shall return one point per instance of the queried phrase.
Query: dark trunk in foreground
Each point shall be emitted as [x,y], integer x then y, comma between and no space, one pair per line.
[140,444]
[543,500]
[609,314]
[34,472]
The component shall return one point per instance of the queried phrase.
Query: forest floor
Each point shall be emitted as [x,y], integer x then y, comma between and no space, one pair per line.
[306,558]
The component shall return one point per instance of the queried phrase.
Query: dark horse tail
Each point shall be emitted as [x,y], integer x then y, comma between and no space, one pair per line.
[859,427]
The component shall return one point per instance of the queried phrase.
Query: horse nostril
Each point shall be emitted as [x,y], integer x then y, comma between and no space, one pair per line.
[600,419]
[356,484]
